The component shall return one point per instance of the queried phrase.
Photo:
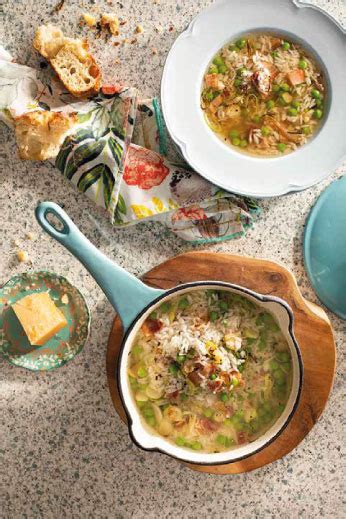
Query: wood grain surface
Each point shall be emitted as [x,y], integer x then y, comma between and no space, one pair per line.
[311,326]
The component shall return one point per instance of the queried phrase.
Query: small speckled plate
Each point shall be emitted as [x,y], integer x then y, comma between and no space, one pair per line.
[65,345]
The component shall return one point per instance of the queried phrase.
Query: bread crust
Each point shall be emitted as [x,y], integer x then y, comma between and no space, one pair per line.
[66,54]
[41,133]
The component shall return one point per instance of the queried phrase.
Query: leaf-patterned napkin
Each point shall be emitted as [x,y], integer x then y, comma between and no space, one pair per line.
[117,155]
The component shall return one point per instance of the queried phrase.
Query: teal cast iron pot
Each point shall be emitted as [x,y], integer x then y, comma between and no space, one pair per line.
[134,302]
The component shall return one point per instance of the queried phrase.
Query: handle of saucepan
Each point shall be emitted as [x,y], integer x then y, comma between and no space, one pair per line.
[126,293]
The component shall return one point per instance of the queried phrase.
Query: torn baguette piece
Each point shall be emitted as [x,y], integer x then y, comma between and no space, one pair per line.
[40,134]
[71,60]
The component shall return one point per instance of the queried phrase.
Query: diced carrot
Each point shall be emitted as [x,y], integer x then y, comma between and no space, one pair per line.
[296,77]
[216,103]
[211,80]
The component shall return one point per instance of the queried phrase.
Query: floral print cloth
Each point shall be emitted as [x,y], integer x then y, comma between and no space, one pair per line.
[117,155]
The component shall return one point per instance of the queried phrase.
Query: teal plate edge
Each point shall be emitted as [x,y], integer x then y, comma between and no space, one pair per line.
[68,343]
[310,221]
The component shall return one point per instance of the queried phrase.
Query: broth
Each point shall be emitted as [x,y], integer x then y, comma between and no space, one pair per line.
[264,95]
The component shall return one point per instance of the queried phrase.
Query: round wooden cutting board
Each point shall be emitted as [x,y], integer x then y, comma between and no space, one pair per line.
[312,329]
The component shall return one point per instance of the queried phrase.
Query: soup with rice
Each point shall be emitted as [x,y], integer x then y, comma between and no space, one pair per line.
[210,371]
[264,95]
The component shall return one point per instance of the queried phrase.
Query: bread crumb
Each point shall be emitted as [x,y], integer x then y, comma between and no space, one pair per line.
[155,51]
[22,256]
[117,61]
[134,41]
[30,236]
[64,299]
[123,22]
[116,43]
[110,22]
[139,29]
[16,243]
[126,40]
[159,29]
[89,19]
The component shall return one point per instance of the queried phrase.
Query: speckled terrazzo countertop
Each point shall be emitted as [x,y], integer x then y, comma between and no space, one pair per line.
[63,450]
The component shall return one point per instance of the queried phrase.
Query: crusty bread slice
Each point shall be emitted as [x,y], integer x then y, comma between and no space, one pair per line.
[40,134]
[71,60]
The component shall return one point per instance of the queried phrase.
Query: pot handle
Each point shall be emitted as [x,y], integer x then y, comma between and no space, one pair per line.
[126,293]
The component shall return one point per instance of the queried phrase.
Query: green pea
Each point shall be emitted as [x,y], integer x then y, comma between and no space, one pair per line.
[302,64]
[208,95]
[153,315]
[243,143]
[273,365]
[213,376]
[191,353]
[316,94]
[265,130]
[283,356]
[263,341]
[236,141]
[213,316]
[221,439]
[270,104]
[218,61]
[237,82]
[306,130]
[235,381]
[232,47]
[296,104]
[279,376]
[151,421]
[292,112]
[173,369]
[318,114]
[181,358]
[183,304]
[241,71]
[224,397]
[208,413]
[147,412]
[229,442]
[137,350]
[184,397]
[196,446]
[222,69]
[165,307]
[228,421]
[223,305]
[241,43]
[142,372]
[213,69]
[180,441]
[282,102]
[233,134]
[275,54]
[319,103]
[276,88]
[281,146]
[256,119]
[285,87]
[286,45]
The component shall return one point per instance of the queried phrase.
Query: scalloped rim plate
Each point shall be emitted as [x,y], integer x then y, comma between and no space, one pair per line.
[181,86]
[65,345]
